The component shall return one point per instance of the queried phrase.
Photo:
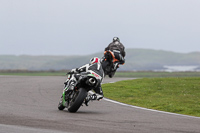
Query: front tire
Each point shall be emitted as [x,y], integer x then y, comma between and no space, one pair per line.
[60,105]
[77,100]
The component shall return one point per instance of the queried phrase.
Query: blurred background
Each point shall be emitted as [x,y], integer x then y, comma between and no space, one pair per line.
[49,34]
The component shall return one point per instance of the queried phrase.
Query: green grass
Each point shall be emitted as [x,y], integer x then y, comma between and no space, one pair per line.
[177,95]
[139,74]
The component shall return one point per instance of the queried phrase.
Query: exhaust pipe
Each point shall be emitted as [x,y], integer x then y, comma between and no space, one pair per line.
[92,81]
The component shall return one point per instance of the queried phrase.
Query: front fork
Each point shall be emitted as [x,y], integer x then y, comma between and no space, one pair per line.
[64,90]
[67,96]
[63,98]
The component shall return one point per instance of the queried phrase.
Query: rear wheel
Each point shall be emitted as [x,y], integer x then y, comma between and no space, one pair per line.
[106,67]
[104,64]
[111,74]
[77,100]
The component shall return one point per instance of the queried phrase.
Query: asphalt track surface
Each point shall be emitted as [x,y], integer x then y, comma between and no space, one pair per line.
[28,104]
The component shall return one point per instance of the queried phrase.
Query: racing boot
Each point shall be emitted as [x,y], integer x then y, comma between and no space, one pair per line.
[90,97]
[93,97]
[99,97]
[87,99]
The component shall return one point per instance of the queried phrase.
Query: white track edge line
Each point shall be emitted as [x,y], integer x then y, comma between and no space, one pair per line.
[142,108]
[109,100]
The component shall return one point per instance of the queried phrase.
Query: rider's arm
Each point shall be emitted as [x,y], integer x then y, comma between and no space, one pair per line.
[122,50]
[75,70]
[80,69]
[83,68]
[108,48]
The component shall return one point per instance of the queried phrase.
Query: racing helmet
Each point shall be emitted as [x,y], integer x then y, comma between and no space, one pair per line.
[94,60]
[116,39]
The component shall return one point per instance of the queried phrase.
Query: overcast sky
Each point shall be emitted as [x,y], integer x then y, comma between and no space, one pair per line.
[79,27]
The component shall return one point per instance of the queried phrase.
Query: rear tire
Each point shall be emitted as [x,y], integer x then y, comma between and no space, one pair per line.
[77,100]
[106,67]
[104,64]
[112,73]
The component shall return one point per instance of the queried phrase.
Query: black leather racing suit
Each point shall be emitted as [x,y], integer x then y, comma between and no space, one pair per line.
[118,49]
[96,67]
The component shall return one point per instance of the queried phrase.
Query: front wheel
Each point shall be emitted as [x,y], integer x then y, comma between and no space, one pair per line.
[77,100]
[60,105]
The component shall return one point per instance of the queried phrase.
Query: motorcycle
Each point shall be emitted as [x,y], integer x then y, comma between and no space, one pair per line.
[109,63]
[73,99]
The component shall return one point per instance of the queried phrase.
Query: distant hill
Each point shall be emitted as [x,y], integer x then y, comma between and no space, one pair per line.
[147,59]
[136,59]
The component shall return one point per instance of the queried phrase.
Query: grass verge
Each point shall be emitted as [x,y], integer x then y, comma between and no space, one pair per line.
[177,95]
[139,74]
[149,74]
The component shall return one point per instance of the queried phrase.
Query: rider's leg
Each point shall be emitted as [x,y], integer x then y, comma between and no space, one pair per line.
[121,61]
[119,57]
[94,96]
[99,93]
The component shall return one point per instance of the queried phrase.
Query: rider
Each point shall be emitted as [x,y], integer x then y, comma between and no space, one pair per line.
[118,49]
[95,66]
